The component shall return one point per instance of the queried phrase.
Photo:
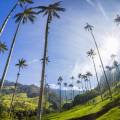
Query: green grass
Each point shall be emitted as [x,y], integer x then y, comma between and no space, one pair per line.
[21,100]
[113,114]
[89,108]
[25,103]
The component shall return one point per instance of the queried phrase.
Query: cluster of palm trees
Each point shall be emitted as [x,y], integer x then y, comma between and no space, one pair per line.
[29,14]
[91,53]
[83,84]
[114,66]
[89,28]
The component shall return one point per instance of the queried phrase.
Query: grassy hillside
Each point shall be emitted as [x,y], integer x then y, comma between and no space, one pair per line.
[106,110]
[95,109]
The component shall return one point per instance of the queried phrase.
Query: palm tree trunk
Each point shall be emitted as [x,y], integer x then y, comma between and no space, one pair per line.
[82,86]
[7,18]
[79,90]
[60,99]
[39,112]
[9,57]
[102,64]
[90,84]
[97,78]
[71,93]
[118,72]
[14,92]
[85,86]
[66,95]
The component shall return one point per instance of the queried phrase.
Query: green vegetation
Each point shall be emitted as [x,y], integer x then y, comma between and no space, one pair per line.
[113,114]
[93,106]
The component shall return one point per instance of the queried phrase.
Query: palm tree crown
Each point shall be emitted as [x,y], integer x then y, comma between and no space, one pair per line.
[115,63]
[91,53]
[60,79]
[23,2]
[71,85]
[79,75]
[3,47]
[109,68]
[84,76]
[88,27]
[117,19]
[27,14]
[88,74]
[65,84]
[72,78]
[51,10]
[78,81]
[21,63]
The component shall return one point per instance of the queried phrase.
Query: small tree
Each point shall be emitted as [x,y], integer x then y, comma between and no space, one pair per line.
[21,65]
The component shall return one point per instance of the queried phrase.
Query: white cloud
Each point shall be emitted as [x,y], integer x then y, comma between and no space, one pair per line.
[54,86]
[33,61]
[110,45]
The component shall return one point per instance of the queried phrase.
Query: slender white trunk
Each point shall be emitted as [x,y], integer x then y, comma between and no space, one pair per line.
[9,57]
[7,19]
[39,112]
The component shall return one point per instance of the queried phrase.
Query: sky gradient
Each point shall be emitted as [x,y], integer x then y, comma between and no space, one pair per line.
[68,41]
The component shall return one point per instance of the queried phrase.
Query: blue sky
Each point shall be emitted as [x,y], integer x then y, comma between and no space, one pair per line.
[68,41]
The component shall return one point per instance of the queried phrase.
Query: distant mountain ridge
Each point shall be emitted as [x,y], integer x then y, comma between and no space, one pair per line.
[31,90]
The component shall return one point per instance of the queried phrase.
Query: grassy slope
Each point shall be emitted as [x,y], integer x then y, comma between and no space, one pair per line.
[113,114]
[86,109]
[26,103]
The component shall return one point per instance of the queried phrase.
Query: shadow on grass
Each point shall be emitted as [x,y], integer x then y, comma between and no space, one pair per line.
[105,109]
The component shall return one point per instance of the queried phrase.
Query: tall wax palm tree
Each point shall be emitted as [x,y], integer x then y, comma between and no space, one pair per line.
[90,29]
[84,77]
[50,11]
[78,82]
[60,79]
[23,17]
[116,66]
[71,86]
[89,74]
[3,47]
[21,65]
[91,54]
[109,68]
[59,84]
[18,3]
[80,77]
[72,79]
[65,85]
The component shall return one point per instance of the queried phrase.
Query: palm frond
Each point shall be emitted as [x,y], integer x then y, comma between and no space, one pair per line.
[27,14]
[21,63]
[3,47]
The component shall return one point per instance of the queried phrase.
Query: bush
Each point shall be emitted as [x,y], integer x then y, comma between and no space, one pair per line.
[83,98]
[67,106]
